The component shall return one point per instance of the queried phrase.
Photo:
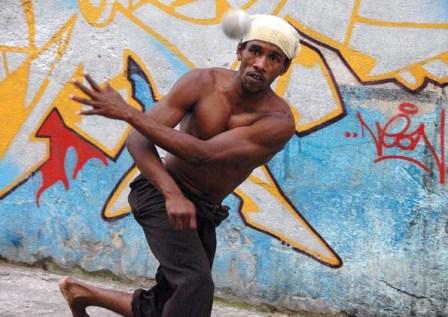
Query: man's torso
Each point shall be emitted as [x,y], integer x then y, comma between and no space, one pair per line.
[217,111]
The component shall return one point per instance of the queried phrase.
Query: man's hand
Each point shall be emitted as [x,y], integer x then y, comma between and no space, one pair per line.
[105,101]
[181,212]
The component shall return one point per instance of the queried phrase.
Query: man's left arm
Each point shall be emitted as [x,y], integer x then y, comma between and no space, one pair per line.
[256,142]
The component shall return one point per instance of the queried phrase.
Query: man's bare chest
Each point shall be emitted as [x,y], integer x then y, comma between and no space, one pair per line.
[214,116]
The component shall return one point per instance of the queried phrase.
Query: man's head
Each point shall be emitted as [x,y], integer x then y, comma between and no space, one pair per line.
[274,30]
[266,51]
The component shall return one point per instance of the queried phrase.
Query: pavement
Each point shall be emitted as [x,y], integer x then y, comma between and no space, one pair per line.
[33,291]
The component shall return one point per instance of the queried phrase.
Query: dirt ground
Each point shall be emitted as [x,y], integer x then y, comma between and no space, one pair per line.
[32,291]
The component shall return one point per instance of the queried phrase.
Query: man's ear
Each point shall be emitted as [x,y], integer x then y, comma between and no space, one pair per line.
[239,50]
[286,65]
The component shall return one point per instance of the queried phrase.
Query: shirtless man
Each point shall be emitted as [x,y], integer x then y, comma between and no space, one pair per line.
[230,123]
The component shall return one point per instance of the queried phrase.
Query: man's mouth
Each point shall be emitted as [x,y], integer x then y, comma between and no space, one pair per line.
[257,76]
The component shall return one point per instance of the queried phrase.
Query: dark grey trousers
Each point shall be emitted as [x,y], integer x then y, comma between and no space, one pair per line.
[184,282]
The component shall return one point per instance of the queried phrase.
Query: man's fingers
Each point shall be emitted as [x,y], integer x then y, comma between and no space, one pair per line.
[179,222]
[84,101]
[108,86]
[193,224]
[171,219]
[186,221]
[92,83]
[84,89]
[89,112]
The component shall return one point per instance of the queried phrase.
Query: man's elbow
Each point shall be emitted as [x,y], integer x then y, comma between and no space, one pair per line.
[201,155]
[198,159]
[131,141]
[135,142]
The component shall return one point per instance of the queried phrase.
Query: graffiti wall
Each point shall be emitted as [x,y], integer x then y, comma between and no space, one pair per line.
[351,216]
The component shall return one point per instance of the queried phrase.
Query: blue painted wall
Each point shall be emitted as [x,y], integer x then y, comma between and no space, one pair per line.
[363,179]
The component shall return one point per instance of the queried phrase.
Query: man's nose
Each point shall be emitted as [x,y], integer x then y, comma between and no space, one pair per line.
[260,63]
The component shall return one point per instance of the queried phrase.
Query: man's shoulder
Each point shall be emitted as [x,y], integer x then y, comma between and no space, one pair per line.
[209,73]
[280,115]
[279,107]
[205,79]
[278,101]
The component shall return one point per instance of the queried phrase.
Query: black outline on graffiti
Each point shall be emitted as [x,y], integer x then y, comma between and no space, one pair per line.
[425,82]
[341,100]
[103,210]
[133,68]
[303,218]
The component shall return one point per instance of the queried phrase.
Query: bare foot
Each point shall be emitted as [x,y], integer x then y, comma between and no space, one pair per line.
[76,294]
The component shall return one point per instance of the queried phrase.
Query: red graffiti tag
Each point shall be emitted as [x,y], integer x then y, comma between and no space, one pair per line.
[61,138]
[402,138]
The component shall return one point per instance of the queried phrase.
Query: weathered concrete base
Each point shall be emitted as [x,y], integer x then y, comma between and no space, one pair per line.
[32,291]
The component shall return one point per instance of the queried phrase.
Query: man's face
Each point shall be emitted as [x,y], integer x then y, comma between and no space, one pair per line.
[261,64]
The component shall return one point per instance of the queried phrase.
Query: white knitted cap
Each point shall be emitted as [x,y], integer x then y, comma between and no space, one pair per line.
[274,30]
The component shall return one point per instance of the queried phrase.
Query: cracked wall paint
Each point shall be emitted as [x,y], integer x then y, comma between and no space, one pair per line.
[350,216]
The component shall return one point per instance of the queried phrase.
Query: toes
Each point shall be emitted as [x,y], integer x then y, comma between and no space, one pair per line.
[64,284]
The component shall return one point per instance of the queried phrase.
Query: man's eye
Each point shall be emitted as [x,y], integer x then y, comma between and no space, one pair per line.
[255,52]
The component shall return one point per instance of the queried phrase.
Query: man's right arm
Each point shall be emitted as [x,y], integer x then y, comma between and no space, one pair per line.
[150,165]
[181,211]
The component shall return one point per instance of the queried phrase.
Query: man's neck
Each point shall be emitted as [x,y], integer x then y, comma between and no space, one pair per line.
[243,99]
